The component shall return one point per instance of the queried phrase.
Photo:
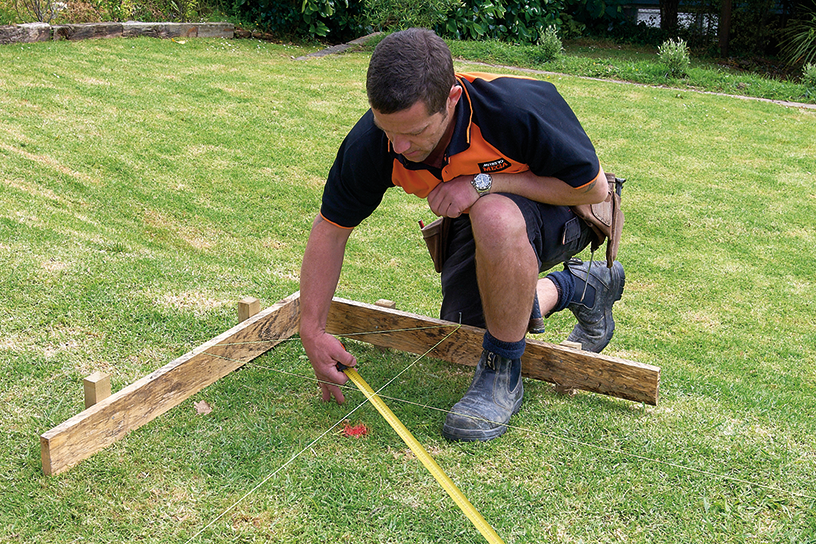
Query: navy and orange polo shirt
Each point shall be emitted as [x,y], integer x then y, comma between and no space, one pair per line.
[503,124]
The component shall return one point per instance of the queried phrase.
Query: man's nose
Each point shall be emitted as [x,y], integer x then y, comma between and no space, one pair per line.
[400,145]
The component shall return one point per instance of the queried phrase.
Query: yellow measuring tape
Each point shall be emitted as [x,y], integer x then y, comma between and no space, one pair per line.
[443,479]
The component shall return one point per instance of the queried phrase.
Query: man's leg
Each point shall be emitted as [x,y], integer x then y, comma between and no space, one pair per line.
[506,266]
[507,271]
[588,290]
[555,235]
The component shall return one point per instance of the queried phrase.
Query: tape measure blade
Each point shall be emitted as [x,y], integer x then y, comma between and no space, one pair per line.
[425,458]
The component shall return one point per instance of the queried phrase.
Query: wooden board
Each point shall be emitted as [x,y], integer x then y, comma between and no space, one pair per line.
[111,419]
[562,365]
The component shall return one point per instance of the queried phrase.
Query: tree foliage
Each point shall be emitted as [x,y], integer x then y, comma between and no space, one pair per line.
[334,20]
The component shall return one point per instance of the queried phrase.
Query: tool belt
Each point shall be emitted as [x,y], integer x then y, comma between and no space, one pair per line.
[605,219]
[436,238]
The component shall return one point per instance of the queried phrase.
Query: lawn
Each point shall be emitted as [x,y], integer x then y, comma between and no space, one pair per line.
[146,186]
[641,64]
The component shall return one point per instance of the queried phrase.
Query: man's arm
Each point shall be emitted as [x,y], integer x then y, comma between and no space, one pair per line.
[456,196]
[319,274]
[551,190]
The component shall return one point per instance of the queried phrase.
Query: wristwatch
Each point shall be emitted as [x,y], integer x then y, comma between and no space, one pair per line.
[482,183]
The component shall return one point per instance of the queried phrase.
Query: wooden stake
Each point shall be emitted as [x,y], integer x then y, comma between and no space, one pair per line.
[97,388]
[247,308]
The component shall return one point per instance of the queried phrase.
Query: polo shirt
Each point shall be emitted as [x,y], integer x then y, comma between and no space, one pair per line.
[503,124]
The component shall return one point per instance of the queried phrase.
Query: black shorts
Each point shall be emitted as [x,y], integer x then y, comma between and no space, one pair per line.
[555,233]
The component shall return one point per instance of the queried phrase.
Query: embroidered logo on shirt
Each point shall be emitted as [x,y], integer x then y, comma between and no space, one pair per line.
[494,166]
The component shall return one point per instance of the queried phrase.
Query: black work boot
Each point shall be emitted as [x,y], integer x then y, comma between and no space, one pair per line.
[494,396]
[595,324]
[536,324]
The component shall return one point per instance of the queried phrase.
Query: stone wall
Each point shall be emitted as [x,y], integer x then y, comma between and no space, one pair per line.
[41,32]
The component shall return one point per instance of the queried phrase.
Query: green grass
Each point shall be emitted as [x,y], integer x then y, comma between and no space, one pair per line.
[638,64]
[146,186]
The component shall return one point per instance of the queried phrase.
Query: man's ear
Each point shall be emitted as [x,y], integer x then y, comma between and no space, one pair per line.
[454,95]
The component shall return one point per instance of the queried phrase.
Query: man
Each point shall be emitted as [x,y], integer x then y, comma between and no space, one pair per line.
[505,157]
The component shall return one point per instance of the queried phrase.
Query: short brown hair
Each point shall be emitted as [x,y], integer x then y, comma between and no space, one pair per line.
[409,66]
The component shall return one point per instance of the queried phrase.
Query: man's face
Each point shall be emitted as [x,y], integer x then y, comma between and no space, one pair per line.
[414,133]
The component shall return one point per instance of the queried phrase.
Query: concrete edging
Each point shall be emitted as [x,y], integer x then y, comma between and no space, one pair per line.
[42,32]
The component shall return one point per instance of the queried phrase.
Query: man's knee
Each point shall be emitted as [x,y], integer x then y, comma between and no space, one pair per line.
[497,220]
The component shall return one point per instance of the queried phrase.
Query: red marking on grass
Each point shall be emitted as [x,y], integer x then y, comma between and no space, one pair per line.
[355,431]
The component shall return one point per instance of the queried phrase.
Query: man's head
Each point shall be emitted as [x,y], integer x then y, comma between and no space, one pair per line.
[410,66]
[413,93]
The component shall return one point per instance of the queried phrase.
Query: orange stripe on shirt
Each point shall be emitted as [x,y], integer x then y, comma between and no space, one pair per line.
[478,157]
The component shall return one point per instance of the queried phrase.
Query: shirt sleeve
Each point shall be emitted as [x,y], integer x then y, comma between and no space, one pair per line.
[359,177]
[541,130]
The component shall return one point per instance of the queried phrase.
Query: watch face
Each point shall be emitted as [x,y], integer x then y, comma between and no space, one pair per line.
[482,182]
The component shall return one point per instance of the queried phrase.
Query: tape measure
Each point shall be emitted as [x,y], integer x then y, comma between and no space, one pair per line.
[447,484]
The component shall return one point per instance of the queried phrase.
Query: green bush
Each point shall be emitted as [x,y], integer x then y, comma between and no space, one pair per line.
[398,14]
[675,57]
[8,13]
[517,21]
[809,78]
[475,20]
[549,45]
[335,20]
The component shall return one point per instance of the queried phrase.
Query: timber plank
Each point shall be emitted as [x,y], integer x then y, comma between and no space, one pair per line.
[111,419]
[561,365]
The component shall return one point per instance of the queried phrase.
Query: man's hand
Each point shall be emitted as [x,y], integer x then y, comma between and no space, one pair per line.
[453,198]
[319,273]
[324,352]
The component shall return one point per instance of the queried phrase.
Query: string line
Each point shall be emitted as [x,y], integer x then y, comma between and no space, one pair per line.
[348,334]
[313,442]
[573,441]
[275,472]
[426,406]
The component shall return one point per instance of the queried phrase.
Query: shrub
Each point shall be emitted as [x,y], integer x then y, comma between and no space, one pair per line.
[81,11]
[8,15]
[335,20]
[549,45]
[399,14]
[675,56]
[809,78]
[476,20]
[43,11]
[516,21]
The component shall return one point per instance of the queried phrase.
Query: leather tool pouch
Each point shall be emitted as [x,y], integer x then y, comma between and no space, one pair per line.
[436,238]
[605,219]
